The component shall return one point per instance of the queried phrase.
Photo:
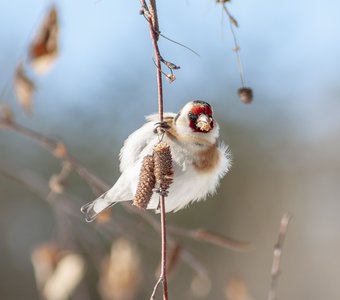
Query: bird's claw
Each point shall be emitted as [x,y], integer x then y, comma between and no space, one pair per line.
[163,193]
[162,126]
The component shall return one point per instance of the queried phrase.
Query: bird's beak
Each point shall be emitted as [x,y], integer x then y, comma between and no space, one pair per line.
[203,122]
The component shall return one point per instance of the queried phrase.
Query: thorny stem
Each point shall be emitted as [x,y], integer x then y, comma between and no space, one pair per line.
[278,248]
[151,16]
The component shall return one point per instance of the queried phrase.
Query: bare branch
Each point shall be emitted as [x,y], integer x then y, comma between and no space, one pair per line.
[278,248]
[211,237]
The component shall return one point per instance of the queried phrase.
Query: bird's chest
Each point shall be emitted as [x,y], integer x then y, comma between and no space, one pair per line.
[198,158]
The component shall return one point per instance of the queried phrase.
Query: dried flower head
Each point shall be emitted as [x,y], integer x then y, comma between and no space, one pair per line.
[146,183]
[121,274]
[246,94]
[163,166]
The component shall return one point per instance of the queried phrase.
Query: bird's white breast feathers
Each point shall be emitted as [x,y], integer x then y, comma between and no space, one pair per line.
[190,184]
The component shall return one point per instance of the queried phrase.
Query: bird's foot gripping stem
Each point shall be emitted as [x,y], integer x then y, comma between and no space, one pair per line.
[161,192]
[161,127]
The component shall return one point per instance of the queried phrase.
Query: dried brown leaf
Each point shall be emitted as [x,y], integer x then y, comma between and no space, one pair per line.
[6,115]
[44,259]
[121,272]
[44,49]
[24,88]
[66,277]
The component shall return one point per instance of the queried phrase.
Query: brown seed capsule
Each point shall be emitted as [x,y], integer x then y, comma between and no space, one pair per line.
[146,183]
[163,166]
[245,94]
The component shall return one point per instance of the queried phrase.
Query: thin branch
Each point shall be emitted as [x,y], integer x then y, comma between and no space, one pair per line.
[97,183]
[278,248]
[210,237]
[154,33]
[232,23]
[60,151]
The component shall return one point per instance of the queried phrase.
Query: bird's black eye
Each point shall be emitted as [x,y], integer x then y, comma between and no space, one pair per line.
[192,116]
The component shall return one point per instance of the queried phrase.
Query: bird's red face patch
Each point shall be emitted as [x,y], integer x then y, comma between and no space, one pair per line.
[194,114]
[201,109]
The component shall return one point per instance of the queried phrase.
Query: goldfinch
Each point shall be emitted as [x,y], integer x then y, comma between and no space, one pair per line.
[199,160]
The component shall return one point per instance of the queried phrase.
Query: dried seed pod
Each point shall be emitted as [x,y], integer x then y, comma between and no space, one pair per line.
[245,94]
[45,47]
[24,88]
[171,77]
[163,166]
[146,183]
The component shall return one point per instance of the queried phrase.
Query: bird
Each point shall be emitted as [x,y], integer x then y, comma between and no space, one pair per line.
[199,159]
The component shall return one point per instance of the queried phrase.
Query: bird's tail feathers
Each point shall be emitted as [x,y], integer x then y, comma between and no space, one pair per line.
[93,208]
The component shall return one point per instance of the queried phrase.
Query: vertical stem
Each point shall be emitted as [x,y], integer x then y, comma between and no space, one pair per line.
[152,19]
[164,249]
[278,248]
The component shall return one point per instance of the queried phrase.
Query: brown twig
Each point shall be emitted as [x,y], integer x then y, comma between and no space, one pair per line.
[98,184]
[151,16]
[278,248]
[210,237]
[60,151]
[232,23]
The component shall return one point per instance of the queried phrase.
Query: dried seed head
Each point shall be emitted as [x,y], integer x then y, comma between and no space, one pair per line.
[171,77]
[146,183]
[163,166]
[246,95]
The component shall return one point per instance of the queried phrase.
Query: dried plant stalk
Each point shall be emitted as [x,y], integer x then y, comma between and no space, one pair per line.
[163,166]
[154,18]
[146,183]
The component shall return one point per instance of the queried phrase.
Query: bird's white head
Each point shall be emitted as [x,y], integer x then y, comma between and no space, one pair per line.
[196,118]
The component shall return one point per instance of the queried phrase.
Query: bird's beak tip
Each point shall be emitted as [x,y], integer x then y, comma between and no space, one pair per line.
[203,123]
